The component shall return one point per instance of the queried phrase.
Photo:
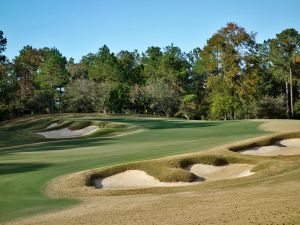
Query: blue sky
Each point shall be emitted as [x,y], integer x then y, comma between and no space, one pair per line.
[77,27]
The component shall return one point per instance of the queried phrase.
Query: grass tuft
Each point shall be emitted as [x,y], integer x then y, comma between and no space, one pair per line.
[77,125]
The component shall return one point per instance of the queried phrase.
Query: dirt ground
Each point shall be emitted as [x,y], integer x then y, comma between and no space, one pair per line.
[243,205]
[280,125]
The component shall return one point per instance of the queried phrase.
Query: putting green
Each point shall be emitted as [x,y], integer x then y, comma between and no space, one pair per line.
[26,168]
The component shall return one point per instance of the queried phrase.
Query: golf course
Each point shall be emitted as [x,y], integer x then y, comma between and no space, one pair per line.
[50,180]
[149,112]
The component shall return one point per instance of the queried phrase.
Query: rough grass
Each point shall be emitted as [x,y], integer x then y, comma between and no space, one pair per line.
[77,125]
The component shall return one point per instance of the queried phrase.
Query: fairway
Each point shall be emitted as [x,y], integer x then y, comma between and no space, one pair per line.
[25,169]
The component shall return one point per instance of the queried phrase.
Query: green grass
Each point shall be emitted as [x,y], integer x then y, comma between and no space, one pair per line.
[24,170]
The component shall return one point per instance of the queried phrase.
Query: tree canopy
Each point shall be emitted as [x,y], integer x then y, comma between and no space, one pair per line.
[231,77]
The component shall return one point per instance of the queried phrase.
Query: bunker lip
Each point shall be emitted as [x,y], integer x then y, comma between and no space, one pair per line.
[67,133]
[134,179]
[283,147]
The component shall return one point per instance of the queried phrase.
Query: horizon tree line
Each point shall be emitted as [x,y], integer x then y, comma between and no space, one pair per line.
[231,77]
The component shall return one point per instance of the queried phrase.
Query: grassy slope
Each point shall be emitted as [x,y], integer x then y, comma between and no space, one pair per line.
[24,170]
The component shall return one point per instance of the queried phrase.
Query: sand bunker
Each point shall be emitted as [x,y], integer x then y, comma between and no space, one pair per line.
[139,179]
[67,133]
[134,179]
[52,125]
[210,172]
[284,147]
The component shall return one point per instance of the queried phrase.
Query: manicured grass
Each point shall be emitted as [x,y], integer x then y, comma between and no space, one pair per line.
[24,170]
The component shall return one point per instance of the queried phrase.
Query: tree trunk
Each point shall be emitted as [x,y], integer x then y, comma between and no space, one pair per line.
[52,100]
[287,100]
[233,95]
[60,95]
[186,116]
[52,103]
[291,93]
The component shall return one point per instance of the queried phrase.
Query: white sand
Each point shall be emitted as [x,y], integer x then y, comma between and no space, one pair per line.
[52,125]
[284,147]
[66,133]
[134,179]
[291,143]
[210,172]
[139,179]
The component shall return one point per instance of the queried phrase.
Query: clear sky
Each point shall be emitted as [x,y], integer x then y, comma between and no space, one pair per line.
[77,27]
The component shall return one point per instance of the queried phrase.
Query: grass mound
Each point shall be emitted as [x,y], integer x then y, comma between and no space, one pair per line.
[60,125]
[77,125]
[155,169]
[27,130]
[100,128]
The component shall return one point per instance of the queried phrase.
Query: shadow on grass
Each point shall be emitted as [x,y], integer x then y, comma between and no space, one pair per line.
[57,145]
[162,123]
[10,168]
[50,145]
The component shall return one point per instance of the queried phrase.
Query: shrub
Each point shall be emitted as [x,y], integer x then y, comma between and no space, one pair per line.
[297,109]
[270,107]
[4,112]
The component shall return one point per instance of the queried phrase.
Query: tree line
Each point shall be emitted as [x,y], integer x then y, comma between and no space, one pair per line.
[231,77]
